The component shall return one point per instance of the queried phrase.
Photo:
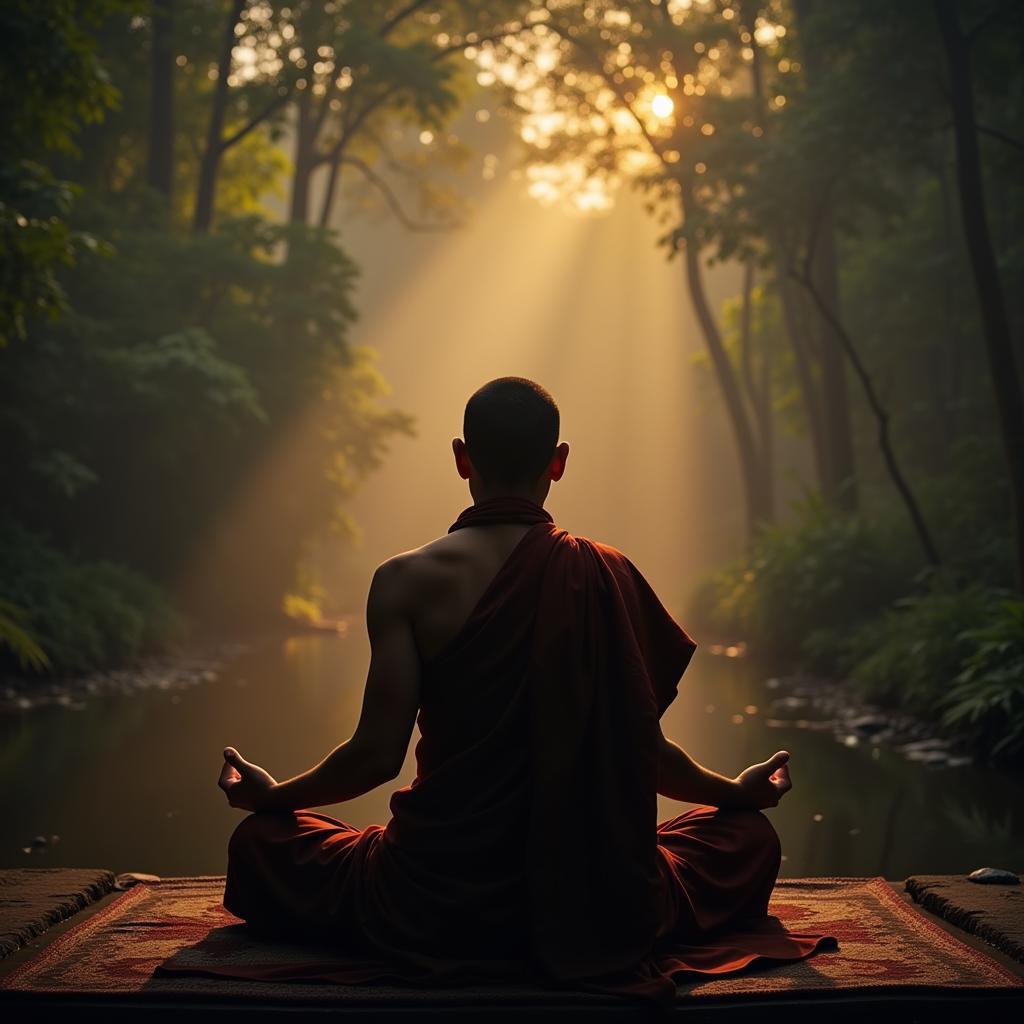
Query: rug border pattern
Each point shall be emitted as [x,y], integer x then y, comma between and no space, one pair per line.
[876,884]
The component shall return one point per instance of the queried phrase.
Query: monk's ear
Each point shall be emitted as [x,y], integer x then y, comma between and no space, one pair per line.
[557,467]
[462,463]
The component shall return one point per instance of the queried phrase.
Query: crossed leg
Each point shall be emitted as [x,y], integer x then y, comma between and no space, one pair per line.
[719,866]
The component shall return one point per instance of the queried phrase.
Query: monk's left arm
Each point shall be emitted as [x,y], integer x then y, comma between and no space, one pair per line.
[376,751]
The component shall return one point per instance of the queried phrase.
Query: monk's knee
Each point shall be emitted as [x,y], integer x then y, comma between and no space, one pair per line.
[765,838]
[250,832]
[758,834]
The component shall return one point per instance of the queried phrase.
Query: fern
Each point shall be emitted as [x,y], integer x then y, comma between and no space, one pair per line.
[17,639]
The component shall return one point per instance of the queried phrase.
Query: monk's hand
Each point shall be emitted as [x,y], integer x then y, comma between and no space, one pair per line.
[246,785]
[765,784]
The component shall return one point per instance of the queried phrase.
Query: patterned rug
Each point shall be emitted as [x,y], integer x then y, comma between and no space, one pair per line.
[171,937]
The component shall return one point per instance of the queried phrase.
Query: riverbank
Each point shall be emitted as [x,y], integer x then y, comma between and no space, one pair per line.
[807,701]
[817,703]
[173,671]
[168,672]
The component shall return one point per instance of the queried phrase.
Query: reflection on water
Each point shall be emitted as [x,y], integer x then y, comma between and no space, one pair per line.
[129,783]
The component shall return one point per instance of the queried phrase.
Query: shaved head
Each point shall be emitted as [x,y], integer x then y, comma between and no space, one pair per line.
[511,431]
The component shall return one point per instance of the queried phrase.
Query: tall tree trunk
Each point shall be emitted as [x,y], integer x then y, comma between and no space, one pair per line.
[838,436]
[757,382]
[1002,359]
[757,511]
[327,204]
[160,156]
[766,429]
[304,160]
[793,313]
[202,218]
[840,482]
[881,415]
[952,364]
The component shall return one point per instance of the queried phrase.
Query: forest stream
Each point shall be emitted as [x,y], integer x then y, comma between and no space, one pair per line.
[128,781]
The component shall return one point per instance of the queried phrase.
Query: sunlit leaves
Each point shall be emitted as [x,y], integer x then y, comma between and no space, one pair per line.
[625,91]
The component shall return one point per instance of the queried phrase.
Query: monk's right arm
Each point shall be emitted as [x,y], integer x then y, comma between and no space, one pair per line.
[682,778]
[376,750]
[760,786]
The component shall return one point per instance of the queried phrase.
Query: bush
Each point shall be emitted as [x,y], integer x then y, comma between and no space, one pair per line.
[986,702]
[801,588]
[82,614]
[910,655]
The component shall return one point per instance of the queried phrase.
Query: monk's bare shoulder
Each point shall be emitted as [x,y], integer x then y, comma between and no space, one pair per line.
[418,575]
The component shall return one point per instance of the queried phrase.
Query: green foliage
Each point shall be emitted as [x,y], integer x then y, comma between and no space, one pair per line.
[909,655]
[168,383]
[220,343]
[840,595]
[76,615]
[51,78]
[18,640]
[52,82]
[986,701]
[185,362]
[804,582]
[35,240]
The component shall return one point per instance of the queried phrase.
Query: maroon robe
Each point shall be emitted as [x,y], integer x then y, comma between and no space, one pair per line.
[528,844]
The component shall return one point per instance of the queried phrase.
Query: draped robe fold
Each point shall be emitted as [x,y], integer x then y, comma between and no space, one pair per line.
[528,844]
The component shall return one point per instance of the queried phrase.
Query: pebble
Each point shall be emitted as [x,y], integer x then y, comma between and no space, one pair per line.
[867,724]
[918,746]
[993,876]
[789,702]
[928,756]
[129,878]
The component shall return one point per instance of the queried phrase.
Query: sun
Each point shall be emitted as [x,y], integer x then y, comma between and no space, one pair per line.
[662,105]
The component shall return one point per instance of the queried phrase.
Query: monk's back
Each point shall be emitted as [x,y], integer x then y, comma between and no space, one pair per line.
[447,578]
[461,823]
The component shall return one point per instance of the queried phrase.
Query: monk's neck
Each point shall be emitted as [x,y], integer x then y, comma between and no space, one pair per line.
[479,497]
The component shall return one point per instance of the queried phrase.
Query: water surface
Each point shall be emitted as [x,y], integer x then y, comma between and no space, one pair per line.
[129,782]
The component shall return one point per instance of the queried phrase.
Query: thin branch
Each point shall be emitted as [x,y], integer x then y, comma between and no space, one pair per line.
[391,199]
[616,87]
[972,34]
[279,100]
[1002,136]
[390,159]
[398,18]
[746,341]
[349,129]
[881,414]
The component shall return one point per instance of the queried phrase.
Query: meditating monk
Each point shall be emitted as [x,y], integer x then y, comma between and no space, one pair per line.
[537,666]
